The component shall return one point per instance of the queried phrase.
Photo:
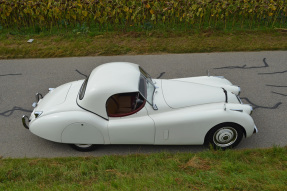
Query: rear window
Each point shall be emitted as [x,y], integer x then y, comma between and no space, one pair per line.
[83,89]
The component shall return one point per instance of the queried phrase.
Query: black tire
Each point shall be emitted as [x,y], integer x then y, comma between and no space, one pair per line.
[84,147]
[224,136]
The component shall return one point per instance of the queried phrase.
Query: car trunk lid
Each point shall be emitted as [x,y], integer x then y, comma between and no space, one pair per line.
[54,97]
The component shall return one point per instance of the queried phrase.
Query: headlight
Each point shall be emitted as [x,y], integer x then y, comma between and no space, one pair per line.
[37,113]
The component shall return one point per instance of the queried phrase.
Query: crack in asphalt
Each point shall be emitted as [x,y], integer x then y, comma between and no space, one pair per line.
[244,66]
[255,106]
[1,75]
[273,73]
[279,94]
[276,86]
[161,74]
[81,73]
[11,111]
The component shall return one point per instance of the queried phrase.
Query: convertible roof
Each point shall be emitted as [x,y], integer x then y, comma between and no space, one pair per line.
[107,80]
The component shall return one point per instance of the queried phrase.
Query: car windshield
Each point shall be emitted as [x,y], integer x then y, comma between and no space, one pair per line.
[146,87]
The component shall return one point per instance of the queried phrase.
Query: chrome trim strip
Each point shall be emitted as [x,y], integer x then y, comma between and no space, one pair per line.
[24,117]
[239,110]
[255,129]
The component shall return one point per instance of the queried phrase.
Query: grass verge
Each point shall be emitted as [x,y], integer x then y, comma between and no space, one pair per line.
[131,43]
[252,169]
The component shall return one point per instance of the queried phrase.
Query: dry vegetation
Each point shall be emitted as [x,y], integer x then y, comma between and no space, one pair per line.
[132,43]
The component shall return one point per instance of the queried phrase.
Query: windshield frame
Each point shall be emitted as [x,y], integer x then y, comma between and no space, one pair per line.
[145,74]
[147,79]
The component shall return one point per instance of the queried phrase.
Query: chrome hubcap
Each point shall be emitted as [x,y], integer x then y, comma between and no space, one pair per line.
[225,136]
[83,145]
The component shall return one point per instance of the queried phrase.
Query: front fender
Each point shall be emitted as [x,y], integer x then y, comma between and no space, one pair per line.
[190,125]
[243,119]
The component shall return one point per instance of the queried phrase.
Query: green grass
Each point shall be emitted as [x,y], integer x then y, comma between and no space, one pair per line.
[132,43]
[252,169]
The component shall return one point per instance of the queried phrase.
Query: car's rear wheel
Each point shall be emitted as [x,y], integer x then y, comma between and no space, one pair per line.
[84,147]
[224,136]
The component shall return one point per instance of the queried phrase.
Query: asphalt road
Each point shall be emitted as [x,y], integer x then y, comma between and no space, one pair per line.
[261,75]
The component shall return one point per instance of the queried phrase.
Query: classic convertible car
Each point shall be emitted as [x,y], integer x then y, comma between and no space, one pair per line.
[119,103]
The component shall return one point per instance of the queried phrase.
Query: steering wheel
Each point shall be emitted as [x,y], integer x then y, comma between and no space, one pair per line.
[136,101]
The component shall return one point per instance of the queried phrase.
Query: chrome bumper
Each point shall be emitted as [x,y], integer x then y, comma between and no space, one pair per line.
[38,97]
[24,118]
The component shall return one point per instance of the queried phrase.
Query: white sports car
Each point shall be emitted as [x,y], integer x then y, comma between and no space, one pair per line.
[119,103]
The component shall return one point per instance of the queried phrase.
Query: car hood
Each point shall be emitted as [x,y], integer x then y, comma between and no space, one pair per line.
[178,94]
[216,81]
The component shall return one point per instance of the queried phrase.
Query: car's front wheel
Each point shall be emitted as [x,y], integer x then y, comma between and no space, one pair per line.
[84,147]
[224,136]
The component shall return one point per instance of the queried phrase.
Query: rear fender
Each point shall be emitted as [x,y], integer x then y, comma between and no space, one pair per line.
[58,127]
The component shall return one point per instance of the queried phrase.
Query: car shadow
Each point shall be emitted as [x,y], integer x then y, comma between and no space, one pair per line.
[45,148]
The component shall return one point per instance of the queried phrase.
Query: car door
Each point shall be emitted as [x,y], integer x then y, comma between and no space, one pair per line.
[128,126]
